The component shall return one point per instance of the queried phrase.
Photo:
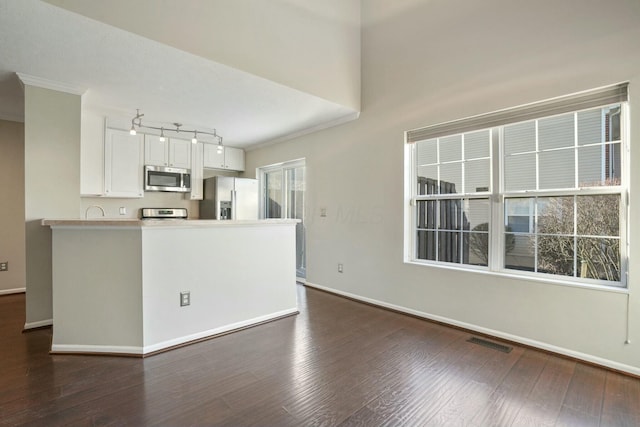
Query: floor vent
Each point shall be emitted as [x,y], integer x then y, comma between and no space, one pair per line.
[490,344]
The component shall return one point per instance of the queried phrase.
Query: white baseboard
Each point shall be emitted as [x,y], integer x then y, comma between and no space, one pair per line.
[108,349]
[634,370]
[133,350]
[12,291]
[217,331]
[38,324]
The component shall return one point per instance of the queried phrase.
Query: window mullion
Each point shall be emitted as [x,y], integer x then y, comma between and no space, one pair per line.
[624,205]
[575,238]
[537,122]
[496,225]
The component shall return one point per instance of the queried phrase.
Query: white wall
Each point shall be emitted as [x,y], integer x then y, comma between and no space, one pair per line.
[52,186]
[425,62]
[12,207]
[305,44]
[98,296]
[237,275]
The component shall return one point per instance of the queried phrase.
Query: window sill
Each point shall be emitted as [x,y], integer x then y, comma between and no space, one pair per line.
[521,277]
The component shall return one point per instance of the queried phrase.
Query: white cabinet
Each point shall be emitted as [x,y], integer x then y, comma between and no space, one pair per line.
[213,158]
[228,158]
[180,153]
[123,164]
[156,152]
[170,152]
[234,158]
[197,173]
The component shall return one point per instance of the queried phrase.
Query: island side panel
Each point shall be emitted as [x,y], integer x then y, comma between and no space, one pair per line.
[97,292]
[236,275]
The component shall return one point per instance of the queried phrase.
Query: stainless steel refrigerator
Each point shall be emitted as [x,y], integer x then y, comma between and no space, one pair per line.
[226,197]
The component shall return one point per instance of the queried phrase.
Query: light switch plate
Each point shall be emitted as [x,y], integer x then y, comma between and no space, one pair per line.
[185,298]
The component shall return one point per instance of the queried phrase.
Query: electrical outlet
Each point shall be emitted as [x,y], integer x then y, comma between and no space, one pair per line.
[340,268]
[123,210]
[4,266]
[185,298]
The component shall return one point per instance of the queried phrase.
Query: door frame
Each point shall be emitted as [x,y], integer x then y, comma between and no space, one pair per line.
[261,171]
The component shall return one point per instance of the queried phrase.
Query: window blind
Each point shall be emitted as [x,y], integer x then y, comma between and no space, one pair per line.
[564,104]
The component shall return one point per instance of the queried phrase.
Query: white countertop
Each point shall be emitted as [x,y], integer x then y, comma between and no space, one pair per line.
[132,222]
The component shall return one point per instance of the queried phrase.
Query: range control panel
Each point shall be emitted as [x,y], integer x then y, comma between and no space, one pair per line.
[155,213]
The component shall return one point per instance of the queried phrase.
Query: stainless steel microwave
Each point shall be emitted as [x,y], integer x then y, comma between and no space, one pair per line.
[162,178]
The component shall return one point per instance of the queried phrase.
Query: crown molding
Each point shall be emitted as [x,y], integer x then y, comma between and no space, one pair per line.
[26,79]
[322,126]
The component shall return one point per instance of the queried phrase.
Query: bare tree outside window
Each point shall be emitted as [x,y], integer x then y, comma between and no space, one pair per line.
[593,250]
[479,242]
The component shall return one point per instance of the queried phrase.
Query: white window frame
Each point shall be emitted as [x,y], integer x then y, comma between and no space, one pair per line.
[498,195]
[261,173]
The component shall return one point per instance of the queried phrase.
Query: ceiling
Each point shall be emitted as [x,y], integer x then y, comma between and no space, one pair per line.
[122,71]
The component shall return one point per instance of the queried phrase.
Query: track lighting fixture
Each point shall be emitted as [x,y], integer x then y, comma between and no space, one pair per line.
[136,123]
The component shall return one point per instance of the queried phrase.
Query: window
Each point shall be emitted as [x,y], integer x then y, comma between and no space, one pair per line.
[453,179]
[538,190]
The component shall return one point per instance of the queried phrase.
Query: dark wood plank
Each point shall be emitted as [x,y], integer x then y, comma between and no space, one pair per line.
[509,397]
[431,384]
[582,405]
[621,393]
[545,401]
[337,363]
[477,390]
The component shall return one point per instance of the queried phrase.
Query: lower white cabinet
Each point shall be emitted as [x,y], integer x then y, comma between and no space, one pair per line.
[123,164]
[228,158]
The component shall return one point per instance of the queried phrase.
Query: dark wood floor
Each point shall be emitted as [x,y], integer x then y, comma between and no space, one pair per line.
[338,363]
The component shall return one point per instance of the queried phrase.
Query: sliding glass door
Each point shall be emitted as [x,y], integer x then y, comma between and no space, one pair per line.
[283,192]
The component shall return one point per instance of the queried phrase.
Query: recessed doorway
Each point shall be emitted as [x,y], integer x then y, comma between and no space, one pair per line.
[282,195]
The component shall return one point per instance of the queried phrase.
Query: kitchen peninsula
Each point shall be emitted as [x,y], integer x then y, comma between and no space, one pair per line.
[121,286]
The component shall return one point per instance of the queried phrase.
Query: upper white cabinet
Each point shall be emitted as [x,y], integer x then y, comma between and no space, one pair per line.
[213,158]
[228,158]
[170,152]
[180,153]
[197,173]
[234,158]
[123,164]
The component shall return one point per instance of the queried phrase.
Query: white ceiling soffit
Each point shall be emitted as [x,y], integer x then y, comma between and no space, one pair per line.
[123,71]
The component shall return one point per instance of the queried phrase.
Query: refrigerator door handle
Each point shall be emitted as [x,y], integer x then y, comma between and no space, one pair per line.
[233,204]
